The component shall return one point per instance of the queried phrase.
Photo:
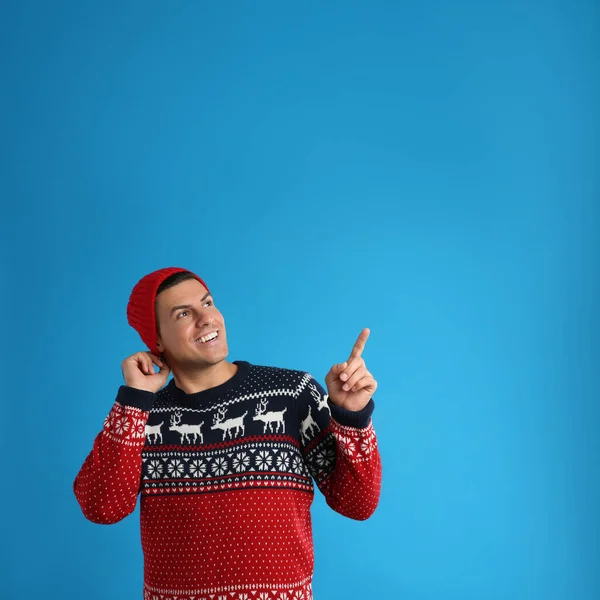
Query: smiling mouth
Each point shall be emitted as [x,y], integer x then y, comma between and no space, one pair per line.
[209,337]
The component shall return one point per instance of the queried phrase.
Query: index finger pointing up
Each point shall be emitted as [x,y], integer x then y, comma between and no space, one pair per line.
[359,346]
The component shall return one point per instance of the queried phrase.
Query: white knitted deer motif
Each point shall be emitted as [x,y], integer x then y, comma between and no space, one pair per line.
[321,400]
[227,426]
[269,418]
[186,430]
[155,431]
[308,424]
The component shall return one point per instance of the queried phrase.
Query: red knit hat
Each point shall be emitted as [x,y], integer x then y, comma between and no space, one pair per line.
[140,308]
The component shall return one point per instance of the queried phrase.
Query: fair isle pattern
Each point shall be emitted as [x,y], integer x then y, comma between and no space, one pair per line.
[262,394]
[304,381]
[226,480]
[276,463]
[125,423]
[357,447]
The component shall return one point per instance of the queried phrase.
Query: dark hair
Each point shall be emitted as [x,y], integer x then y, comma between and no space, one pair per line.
[174,279]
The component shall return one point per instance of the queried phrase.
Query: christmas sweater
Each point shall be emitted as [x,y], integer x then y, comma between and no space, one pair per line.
[225,479]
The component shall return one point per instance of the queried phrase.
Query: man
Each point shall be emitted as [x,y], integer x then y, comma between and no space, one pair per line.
[225,454]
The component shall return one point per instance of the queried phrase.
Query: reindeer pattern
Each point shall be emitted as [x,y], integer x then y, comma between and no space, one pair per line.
[232,423]
[320,400]
[154,430]
[186,430]
[228,426]
[270,418]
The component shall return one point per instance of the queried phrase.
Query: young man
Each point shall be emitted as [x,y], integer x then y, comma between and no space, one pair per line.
[224,455]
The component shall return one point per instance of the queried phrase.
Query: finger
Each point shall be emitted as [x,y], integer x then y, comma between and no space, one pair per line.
[359,345]
[365,383]
[351,367]
[334,372]
[149,361]
[356,376]
[157,360]
[160,363]
[142,363]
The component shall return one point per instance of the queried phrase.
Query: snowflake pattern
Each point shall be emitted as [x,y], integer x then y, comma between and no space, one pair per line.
[347,446]
[263,460]
[366,447]
[325,458]
[283,461]
[219,466]
[155,469]
[108,421]
[121,425]
[197,468]
[139,428]
[241,461]
[175,468]
[297,465]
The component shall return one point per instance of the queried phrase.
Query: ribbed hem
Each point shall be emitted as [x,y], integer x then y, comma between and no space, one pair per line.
[130,396]
[352,418]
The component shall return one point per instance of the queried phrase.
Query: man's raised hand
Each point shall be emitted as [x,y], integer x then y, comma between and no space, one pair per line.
[139,373]
[349,384]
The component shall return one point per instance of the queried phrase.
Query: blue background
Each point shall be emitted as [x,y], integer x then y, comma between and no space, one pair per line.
[428,170]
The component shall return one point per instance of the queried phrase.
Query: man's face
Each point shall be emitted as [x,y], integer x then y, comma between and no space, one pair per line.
[185,313]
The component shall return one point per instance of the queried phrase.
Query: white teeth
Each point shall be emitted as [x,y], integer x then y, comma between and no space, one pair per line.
[207,338]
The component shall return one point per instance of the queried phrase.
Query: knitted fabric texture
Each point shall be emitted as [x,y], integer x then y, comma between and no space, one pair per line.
[225,479]
[141,314]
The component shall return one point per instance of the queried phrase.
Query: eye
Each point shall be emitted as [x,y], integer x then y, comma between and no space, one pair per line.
[209,302]
[183,312]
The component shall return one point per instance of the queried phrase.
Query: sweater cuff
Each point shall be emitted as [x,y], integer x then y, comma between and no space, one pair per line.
[130,396]
[358,419]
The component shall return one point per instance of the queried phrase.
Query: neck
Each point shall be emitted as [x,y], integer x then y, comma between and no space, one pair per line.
[203,378]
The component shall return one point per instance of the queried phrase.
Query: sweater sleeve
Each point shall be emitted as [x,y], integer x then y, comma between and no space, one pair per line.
[340,449]
[108,482]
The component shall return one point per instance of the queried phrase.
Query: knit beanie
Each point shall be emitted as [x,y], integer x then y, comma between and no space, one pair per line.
[140,308]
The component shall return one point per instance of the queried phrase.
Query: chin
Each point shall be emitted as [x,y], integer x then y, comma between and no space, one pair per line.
[213,361]
[215,358]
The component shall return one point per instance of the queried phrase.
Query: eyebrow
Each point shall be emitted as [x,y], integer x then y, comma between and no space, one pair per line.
[180,306]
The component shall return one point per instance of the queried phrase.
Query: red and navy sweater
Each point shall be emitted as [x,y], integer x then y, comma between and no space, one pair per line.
[226,481]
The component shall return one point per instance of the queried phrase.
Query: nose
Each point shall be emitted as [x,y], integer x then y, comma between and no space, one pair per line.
[205,321]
